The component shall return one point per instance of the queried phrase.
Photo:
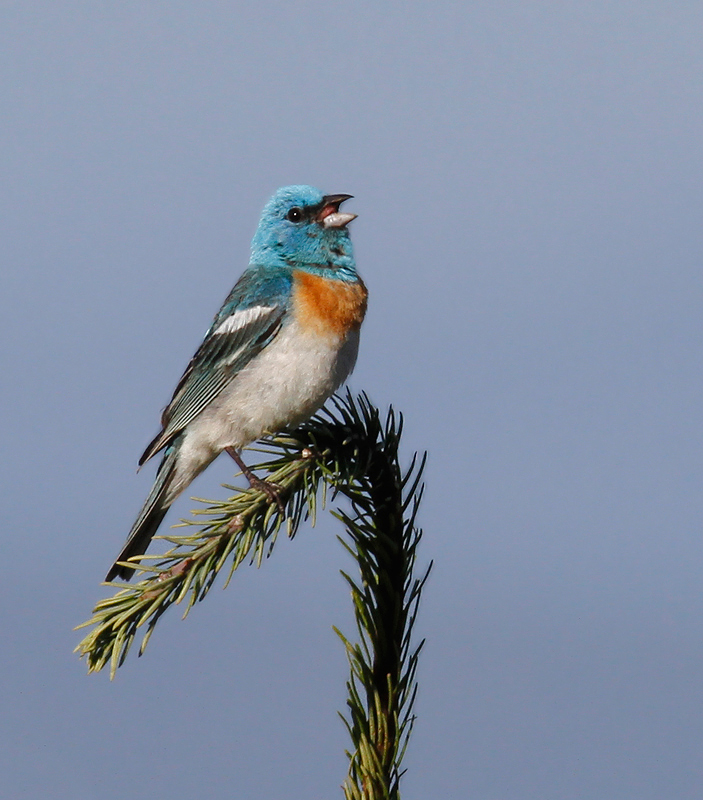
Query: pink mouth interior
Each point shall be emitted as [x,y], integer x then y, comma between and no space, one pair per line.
[332,208]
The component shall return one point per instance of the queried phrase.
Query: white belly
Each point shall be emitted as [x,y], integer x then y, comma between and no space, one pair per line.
[285,384]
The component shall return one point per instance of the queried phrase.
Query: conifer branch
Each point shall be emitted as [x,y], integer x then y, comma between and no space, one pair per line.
[383,541]
[346,449]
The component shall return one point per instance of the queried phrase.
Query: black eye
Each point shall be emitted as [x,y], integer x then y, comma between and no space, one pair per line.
[295,214]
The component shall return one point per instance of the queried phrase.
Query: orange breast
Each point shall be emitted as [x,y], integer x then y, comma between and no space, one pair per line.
[328,307]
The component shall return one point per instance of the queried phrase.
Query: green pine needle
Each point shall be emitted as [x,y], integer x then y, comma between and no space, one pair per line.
[349,450]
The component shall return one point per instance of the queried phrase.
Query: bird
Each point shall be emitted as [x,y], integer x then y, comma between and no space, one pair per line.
[285,339]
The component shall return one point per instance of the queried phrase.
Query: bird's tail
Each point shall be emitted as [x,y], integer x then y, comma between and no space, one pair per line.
[150,517]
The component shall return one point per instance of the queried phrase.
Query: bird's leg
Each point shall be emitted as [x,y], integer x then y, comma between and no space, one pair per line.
[272,491]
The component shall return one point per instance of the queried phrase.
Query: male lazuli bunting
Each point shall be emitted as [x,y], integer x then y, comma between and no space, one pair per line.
[285,339]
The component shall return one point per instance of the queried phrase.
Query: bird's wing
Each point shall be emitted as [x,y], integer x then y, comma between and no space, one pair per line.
[249,319]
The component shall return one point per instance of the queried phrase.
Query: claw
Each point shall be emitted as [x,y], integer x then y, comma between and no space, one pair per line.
[271,490]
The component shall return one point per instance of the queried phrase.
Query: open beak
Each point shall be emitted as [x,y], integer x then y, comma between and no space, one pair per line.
[330,216]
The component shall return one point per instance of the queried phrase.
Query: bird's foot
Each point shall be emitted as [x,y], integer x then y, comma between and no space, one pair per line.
[271,490]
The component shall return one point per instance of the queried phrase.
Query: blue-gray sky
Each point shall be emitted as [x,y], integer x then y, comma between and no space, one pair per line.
[528,182]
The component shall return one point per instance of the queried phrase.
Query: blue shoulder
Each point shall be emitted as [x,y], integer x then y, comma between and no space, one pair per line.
[258,286]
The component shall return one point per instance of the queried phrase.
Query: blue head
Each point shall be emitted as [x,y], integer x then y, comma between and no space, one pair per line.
[302,228]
